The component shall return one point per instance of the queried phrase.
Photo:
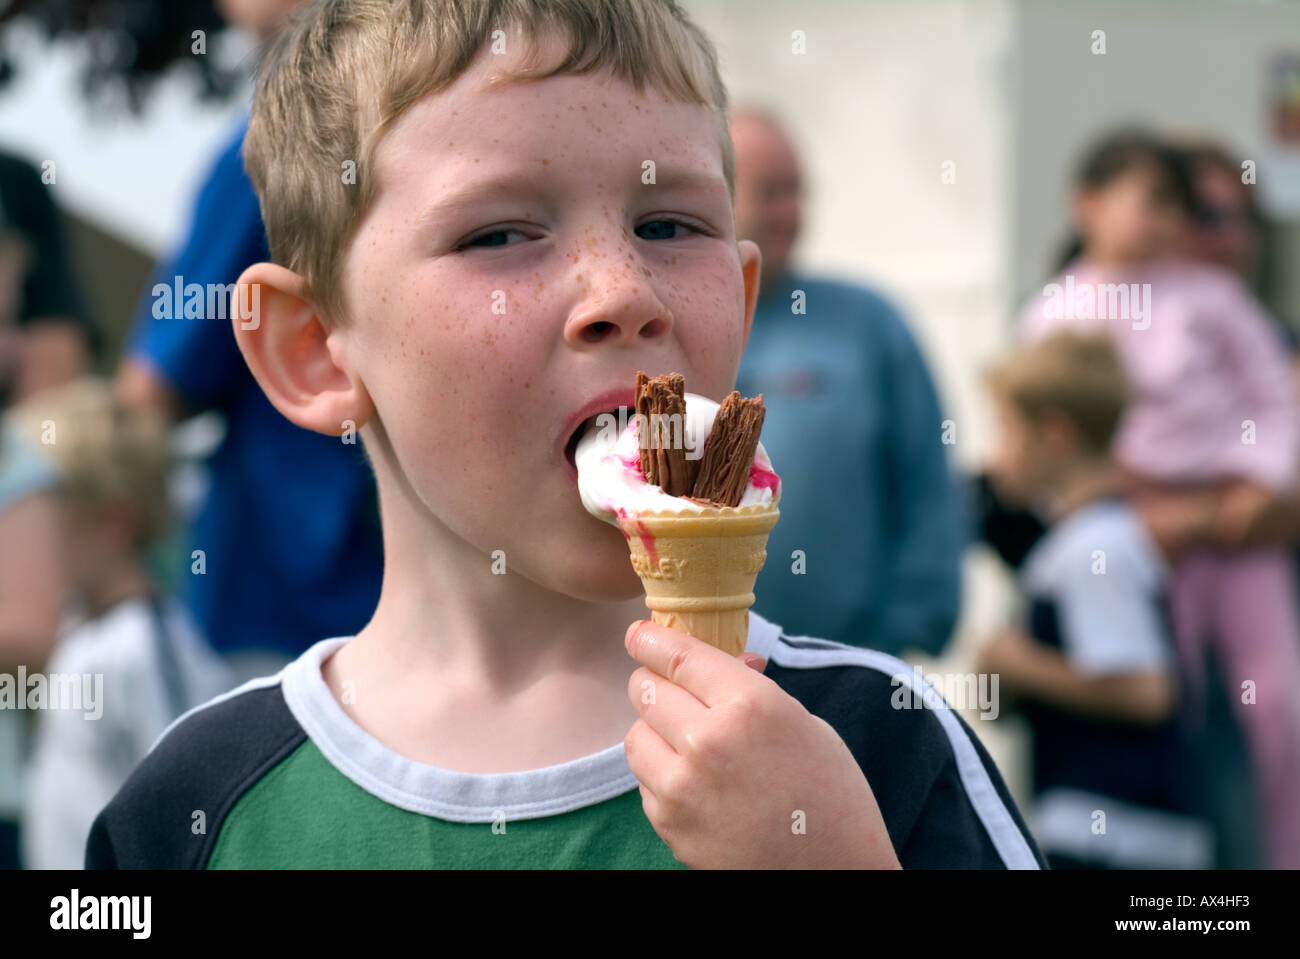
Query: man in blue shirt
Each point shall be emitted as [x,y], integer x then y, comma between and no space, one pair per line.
[868,550]
[290,530]
[289,533]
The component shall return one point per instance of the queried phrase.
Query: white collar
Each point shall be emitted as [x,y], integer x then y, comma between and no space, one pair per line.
[445,793]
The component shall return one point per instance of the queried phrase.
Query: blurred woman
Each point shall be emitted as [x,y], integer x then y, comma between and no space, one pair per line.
[1209,445]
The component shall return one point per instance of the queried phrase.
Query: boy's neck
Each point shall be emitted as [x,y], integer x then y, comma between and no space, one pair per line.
[1084,482]
[462,658]
[438,606]
[480,673]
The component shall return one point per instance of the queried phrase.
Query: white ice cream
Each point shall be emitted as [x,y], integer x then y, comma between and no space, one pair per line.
[609,467]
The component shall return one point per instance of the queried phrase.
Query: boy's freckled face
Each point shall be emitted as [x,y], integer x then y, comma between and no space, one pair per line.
[513,267]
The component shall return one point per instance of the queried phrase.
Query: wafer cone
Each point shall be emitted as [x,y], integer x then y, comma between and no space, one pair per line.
[698,570]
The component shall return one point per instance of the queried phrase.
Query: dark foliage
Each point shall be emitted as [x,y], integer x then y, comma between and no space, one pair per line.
[131,43]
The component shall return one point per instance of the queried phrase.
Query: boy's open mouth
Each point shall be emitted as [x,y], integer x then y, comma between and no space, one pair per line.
[571,447]
[609,402]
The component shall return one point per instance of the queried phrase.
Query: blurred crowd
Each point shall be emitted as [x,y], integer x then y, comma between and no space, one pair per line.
[1144,489]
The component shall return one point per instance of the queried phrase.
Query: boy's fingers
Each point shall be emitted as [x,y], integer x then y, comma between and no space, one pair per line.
[694,665]
[666,707]
[647,753]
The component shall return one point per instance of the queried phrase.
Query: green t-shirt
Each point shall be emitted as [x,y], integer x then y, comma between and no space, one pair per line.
[344,826]
[276,774]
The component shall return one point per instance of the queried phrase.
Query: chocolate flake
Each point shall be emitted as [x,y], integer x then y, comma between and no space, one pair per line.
[661,403]
[729,451]
[720,477]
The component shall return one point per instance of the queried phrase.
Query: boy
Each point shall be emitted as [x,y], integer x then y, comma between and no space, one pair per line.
[488,716]
[1095,667]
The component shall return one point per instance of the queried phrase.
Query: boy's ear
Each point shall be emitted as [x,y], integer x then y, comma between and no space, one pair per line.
[305,372]
[751,270]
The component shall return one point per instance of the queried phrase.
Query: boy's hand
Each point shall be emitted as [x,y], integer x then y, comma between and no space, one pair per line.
[1010,655]
[1005,654]
[735,773]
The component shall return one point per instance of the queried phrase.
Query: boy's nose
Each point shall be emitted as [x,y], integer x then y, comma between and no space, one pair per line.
[618,309]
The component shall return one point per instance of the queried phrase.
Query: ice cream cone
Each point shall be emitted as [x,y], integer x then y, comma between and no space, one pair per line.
[698,569]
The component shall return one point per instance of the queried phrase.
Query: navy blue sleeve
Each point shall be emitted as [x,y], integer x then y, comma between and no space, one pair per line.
[954,829]
[168,813]
[941,796]
[199,357]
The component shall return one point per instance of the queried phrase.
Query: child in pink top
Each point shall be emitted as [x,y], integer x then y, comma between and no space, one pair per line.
[1209,442]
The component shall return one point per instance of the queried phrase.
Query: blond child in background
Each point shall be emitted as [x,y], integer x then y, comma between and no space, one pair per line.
[1093,662]
[136,653]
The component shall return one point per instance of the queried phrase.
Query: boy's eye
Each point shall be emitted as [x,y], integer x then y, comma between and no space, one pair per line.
[661,229]
[490,239]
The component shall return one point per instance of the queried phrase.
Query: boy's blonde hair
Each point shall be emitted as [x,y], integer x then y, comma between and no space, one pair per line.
[105,453]
[1078,375]
[342,71]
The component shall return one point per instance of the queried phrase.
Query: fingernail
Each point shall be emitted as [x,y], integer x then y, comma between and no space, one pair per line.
[631,631]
